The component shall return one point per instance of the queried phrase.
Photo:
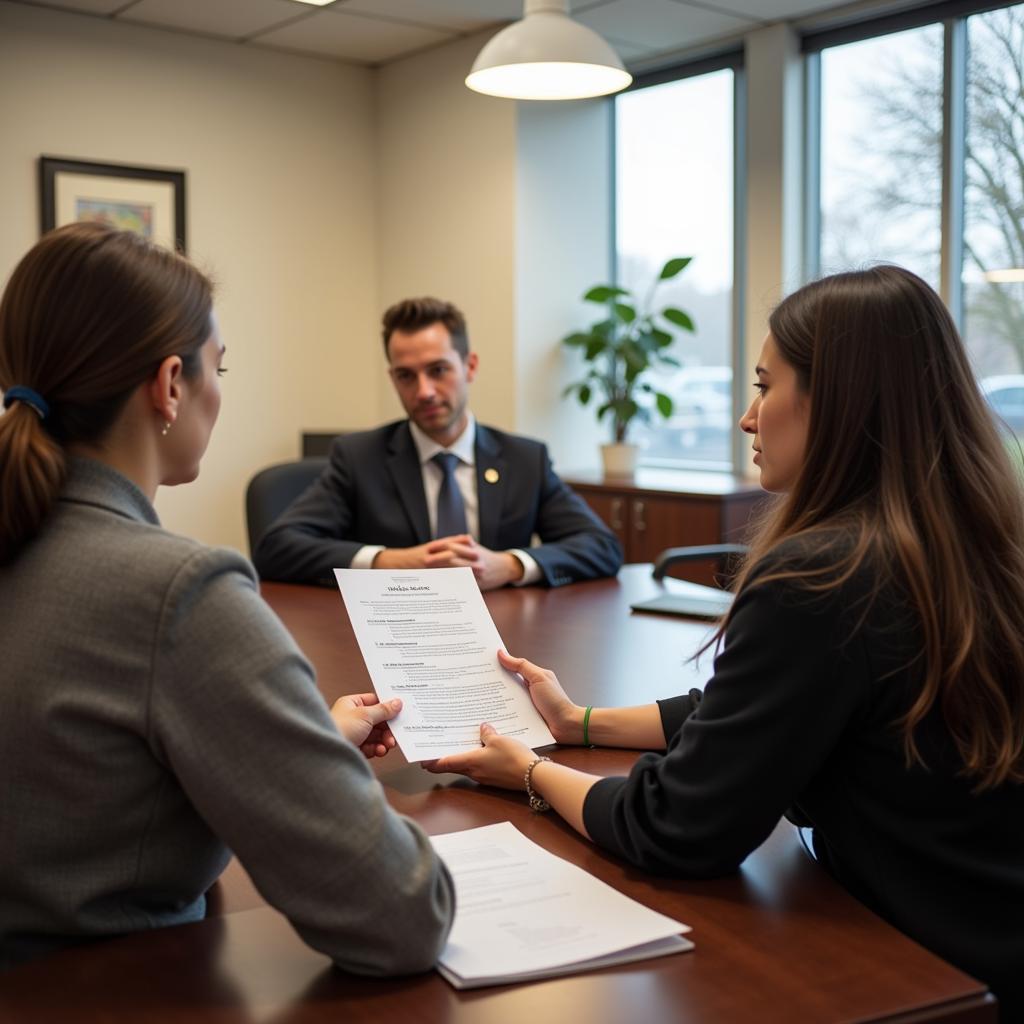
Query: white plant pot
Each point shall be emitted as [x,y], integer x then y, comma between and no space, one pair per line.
[619,459]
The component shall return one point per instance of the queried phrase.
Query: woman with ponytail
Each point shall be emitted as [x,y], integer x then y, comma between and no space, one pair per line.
[153,711]
[870,681]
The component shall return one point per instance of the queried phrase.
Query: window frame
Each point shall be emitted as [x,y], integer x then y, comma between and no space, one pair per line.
[952,15]
[732,59]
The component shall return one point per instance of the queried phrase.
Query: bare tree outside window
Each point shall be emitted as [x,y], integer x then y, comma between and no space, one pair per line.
[881,152]
[881,178]
[994,200]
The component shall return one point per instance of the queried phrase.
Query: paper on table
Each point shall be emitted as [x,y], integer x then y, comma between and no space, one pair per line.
[428,638]
[523,913]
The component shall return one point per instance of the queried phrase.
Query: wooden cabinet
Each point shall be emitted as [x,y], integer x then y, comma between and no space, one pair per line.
[660,509]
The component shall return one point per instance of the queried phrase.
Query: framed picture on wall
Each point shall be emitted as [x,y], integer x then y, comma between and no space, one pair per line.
[148,200]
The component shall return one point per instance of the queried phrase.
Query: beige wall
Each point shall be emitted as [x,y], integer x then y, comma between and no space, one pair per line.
[447,207]
[318,194]
[280,162]
[774,198]
[563,247]
[504,208]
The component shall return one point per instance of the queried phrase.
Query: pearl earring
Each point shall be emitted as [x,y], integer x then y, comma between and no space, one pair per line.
[163,433]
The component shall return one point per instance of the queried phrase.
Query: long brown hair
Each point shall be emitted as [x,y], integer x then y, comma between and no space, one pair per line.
[88,314]
[903,456]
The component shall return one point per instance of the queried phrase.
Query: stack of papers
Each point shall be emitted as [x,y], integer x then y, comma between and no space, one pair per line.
[523,914]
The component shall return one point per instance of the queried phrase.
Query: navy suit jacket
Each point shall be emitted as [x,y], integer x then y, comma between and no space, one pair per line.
[372,493]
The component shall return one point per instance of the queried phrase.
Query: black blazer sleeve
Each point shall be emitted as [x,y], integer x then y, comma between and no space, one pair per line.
[788,682]
[575,544]
[312,536]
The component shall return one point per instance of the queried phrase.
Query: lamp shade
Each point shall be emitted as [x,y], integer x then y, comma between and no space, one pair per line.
[547,56]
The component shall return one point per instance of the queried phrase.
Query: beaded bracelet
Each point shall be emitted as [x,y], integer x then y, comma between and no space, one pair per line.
[537,803]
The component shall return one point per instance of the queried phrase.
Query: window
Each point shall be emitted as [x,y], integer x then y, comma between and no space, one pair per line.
[920,132]
[675,197]
[993,245]
[881,152]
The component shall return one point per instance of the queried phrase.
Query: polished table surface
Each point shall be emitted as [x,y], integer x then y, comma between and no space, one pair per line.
[777,941]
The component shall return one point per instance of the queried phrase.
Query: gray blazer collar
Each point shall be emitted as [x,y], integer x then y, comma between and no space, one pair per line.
[94,483]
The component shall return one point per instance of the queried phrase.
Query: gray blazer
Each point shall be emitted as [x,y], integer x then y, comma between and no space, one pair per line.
[153,713]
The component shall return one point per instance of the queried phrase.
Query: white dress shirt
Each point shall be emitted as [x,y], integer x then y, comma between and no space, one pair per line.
[465,477]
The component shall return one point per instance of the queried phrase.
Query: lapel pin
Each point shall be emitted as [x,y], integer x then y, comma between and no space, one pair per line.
[492,476]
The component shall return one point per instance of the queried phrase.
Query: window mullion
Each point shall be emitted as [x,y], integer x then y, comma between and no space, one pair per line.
[739,449]
[812,166]
[954,142]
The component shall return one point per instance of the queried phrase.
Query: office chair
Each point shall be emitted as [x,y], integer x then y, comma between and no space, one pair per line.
[696,602]
[673,556]
[273,489]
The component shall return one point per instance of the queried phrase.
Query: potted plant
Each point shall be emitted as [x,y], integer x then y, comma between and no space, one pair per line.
[621,351]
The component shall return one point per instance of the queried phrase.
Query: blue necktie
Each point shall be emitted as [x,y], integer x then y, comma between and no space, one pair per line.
[451,511]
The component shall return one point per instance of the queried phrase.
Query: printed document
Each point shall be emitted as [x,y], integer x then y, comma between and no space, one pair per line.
[427,637]
[522,913]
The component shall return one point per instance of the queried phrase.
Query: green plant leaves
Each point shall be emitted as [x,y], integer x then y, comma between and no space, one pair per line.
[578,338]
[673,267]
[603,293]
[622,349]
[635,356]
[625,409]
[678,317]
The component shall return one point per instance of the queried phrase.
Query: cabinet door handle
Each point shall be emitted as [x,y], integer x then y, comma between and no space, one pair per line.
[616,523]
[638,517]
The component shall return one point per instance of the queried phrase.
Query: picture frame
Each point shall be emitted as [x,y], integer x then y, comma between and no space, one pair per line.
[148,200]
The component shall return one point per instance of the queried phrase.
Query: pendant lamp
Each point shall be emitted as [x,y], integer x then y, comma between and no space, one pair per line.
[547,56]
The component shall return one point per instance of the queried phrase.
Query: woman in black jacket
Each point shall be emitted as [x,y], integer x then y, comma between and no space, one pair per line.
[871,677]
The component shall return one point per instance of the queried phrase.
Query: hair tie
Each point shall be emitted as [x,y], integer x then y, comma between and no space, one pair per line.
[31,398]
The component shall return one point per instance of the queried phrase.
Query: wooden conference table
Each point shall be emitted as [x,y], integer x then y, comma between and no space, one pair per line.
[778,941]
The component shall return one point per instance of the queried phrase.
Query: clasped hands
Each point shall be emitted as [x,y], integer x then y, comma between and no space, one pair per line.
[492,569]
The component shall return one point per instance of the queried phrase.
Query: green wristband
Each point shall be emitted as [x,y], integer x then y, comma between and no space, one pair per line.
[586,726]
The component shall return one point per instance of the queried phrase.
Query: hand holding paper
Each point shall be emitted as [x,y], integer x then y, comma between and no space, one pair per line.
[363,720]
[428,638]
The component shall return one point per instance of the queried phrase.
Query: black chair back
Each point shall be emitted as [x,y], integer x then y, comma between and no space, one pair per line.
[273,489]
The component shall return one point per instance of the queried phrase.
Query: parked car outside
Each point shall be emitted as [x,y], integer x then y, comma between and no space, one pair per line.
[1005,396]
[701,424]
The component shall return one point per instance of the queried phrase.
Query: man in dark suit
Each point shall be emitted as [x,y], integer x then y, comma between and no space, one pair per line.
[438,489]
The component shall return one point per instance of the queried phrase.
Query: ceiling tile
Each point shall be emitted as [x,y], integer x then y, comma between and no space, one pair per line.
[771,10]
[458,15]
[632,51]
[332,33]
[88,6]
[454,15]
[664,24]
[234,19]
